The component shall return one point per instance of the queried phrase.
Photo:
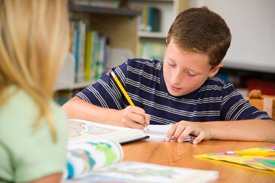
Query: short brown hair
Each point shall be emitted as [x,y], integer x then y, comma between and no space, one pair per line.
[203,31]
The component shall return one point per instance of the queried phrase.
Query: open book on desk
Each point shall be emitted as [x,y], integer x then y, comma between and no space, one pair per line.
[81,129]
[86,130]
[95,159]
[100,161]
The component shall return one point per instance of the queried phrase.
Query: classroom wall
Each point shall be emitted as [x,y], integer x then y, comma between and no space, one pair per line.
[252,24]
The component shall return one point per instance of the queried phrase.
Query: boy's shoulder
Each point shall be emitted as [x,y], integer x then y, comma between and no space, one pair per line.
[218,82]
[141,63]
[215,87]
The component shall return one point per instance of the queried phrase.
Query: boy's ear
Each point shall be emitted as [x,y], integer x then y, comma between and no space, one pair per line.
[214,70]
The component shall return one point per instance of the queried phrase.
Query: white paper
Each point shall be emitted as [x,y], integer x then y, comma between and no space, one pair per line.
[158,133]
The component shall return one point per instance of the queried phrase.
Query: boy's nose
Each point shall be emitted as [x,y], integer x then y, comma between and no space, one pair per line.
[177,79]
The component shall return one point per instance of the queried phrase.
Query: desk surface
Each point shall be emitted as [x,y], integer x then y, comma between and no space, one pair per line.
[181,155]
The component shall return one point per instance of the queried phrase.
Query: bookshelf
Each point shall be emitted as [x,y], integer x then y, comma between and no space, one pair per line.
[120,28]
[119,25]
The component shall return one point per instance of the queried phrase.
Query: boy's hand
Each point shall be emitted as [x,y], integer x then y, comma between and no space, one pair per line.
[183,129]
[133,117]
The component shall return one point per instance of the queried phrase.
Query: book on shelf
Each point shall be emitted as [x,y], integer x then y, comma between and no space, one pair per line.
[150,19]
[100,160]
[90,50]
[79,48]
[88,56]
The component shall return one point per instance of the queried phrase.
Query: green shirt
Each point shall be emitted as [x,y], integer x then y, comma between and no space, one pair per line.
[27,154]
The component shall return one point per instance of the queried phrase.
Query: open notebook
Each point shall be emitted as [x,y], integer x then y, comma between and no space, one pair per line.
[85,130]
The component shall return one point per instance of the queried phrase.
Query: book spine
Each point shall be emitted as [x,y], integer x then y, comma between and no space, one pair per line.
[88,56]
[94,53]
[82,44]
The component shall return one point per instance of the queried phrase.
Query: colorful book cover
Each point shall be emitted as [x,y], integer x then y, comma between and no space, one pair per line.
[260,162]
[84,157]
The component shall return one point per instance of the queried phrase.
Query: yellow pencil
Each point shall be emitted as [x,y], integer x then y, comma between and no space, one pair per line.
[262,153]
[123,90]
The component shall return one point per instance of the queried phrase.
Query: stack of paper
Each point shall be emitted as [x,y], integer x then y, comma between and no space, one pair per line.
[259,158]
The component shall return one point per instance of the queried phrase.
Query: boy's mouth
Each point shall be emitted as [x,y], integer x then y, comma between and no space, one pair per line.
[175,89]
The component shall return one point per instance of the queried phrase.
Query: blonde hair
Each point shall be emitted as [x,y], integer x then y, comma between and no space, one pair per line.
[34,38]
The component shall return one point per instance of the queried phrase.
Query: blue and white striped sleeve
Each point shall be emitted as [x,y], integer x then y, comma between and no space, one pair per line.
[235,107]
[104,92]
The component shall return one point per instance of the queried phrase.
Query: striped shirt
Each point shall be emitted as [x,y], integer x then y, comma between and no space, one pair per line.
[215,100]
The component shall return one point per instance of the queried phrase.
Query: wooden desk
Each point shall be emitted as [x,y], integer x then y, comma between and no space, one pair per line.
[181,155]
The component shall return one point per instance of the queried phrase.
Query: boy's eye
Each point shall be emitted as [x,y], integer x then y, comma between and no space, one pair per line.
[191,74]
[171,64]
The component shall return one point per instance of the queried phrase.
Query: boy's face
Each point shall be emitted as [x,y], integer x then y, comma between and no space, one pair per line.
[185,71]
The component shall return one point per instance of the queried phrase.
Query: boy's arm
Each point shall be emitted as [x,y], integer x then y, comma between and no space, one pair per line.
[131,116]
[246,130]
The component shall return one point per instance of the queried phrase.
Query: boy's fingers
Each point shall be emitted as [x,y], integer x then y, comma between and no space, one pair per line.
[137,110]
[179,131]
[140,115]
[187,131]
[137,118]
[199,138]
[170,132]
[147,119]
[136,125]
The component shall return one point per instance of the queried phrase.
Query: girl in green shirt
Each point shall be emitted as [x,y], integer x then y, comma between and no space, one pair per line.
[34,39]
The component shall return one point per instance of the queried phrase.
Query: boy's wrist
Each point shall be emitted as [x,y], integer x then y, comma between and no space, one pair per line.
[113,117]
[209,132]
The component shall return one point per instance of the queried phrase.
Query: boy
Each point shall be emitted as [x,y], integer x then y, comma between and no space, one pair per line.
[182,90]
